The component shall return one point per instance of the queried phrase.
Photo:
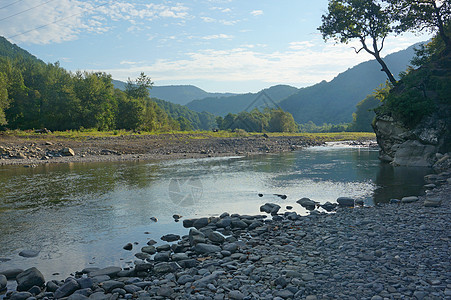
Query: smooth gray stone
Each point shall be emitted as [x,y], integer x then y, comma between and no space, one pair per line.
[345,202]
[131,288]
[410,199]
[100,278]
[206,248]
[216,237]
[29,278]
[224,222]
[11,273]
[110,285]
[170,237]
[51,286]
[77,297]
[29,253]
[3,282]
[100,296]
[307,203]
[184,279]
[179,256]
[110,271]
[20,296]
[70,286]
[161,256]
[201,222]
[85,282]
[163,267]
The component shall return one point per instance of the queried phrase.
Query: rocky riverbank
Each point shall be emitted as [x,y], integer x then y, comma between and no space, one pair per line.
[50,149]
[392,251]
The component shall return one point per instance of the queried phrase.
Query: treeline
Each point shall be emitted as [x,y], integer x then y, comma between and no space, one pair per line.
[37,95]
[270,120]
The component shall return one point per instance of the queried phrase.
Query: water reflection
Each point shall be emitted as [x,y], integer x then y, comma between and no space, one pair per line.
[397,182]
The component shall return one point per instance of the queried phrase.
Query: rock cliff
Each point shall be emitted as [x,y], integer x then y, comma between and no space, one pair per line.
[427,142]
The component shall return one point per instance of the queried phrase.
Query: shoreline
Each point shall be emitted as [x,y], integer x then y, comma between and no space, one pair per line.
[42,150]
[389,251]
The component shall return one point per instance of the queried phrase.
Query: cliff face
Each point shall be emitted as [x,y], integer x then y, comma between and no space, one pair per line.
[426,143]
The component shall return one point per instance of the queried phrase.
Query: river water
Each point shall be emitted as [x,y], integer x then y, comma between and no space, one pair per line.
[81,215]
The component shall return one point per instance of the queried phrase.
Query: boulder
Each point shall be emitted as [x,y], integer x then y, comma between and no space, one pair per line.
[307,203]
[270,208]
[67,152]
[410,199]
[345,202]
[29,278]
[29,253]
[11,273]
[329,206]
[206,248]
[170,237]
[67,289]
[3,282]
[109,271]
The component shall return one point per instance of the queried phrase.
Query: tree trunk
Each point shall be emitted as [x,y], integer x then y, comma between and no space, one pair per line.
[385,69]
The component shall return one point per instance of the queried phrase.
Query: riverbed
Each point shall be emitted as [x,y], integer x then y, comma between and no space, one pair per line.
[80,215]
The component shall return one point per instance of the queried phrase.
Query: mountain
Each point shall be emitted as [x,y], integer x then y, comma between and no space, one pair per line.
[198,120]
[237,103]
[13,51]
[178,94]
[335,101]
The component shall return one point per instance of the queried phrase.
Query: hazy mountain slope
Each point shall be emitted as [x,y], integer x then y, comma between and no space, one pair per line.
[234,104]
[198,120]
[335,101]
[178,94]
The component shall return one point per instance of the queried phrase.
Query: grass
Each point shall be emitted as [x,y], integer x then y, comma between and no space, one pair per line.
[90,133]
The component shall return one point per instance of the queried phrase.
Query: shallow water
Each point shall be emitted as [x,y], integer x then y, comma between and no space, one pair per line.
[80,215]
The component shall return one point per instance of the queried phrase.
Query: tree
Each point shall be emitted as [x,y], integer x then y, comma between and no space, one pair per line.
[139,88]
[281,121]
[364,20]
[4,101]
[416,15]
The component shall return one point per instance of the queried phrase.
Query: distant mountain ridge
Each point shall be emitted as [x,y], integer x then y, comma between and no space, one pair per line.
[335,101]
[237,103]
[326,102]
[178,94]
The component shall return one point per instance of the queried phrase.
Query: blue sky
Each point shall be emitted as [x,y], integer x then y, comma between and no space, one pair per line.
[217,45]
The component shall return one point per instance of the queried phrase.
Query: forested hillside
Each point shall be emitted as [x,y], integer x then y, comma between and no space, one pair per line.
[188,119]
[37,95]
[235,104]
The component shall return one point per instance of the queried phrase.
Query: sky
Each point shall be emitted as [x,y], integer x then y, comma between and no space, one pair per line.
[235,46]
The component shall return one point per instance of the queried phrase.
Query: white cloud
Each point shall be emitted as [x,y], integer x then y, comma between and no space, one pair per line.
[208,19]
[65,20]
[217,36]
[257,13]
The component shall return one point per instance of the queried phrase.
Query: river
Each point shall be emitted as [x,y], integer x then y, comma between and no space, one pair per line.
[81,215]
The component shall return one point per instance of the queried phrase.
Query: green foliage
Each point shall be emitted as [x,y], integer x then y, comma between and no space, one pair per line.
[420,15]
[420,91]
[325,128]
[4,101]
[139,88]
[432,51]
[270,120]
[37,95]
[198,121]
[364,115]
[368,21]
